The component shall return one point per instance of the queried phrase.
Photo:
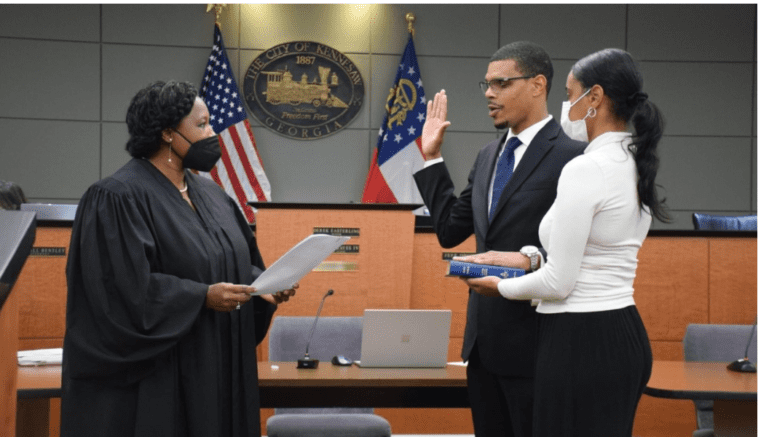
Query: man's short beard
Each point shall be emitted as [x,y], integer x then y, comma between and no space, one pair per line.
[501,125]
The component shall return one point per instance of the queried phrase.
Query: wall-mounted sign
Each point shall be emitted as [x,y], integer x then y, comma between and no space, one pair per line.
[47,251]
[348,248]
[337,266]
[337,232]
[448,256]
[303,90]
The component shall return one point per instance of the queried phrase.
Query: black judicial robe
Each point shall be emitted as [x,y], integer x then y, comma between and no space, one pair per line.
[143,356]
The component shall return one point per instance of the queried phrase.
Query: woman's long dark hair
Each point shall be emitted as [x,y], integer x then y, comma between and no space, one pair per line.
[616,72]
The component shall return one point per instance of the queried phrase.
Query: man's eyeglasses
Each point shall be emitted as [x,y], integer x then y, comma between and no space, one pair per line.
[499,83]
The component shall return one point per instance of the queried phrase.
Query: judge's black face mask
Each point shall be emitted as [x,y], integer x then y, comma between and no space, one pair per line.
[203,154]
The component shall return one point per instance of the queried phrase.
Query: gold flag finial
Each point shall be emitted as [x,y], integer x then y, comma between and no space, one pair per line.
[216,7]
[410,18]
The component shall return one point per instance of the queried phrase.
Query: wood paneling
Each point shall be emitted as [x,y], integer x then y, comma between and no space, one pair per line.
[428,420]
[733,280]
[667,350]
[385,259]
[42,309]
[431,289]
[40,343]
[664,418]
[672,285]
[680,280]
[9,339]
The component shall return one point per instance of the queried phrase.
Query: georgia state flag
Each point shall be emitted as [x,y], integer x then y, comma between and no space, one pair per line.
[398,154]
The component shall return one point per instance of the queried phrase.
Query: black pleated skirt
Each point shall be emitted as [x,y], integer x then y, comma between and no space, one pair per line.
[591,371]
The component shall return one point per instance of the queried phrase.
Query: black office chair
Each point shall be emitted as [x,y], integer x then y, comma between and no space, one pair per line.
[709,222]
[724,343]
[333,336]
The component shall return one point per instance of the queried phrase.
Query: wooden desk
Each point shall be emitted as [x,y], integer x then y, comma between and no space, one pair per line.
[735,394]
[282,385]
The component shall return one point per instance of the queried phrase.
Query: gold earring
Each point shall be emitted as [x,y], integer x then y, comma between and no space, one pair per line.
[170,152]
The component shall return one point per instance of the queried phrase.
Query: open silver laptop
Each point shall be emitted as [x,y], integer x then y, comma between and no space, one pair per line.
[405,338]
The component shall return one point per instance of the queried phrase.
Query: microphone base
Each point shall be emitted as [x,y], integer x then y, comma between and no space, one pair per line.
[742,365]
[307,363]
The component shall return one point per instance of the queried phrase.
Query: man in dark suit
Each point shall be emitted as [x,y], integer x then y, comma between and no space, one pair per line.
[503,204]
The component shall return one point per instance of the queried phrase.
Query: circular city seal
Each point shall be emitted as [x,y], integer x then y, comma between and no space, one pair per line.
[303,90]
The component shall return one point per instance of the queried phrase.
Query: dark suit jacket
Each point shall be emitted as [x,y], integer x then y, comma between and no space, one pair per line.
[505,330]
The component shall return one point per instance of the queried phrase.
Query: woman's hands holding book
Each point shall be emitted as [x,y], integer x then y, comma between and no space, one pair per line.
[486,286]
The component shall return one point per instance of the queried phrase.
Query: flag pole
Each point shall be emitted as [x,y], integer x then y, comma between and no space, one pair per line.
[410,18]
[216,8]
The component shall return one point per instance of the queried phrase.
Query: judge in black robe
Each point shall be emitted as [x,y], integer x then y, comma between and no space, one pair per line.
[146,350]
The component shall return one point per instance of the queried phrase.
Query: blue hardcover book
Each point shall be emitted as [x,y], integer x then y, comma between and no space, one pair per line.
[472,270]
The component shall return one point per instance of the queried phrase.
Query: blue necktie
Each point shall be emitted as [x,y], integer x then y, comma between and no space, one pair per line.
[504,169]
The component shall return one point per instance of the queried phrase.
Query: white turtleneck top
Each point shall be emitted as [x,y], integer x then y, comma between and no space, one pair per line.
[592,234]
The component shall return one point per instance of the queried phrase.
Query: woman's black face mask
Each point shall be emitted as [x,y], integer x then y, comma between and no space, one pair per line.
[203,154]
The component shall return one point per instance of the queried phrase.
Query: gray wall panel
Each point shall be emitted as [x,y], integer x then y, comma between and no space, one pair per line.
[78,63]
[128,68]
[702,98]
[467,106]
[50,159]
[50,79]
[382,74]
[459,152]
[565,31]
[558,90]
[329,170]
[113,155]
[702,32]
[755,100]
[62,22]
[157,24]
[459,30]
[709,173]
[754,177]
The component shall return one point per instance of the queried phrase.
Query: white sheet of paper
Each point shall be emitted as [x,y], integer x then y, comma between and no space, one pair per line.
[39,357]
[297,262]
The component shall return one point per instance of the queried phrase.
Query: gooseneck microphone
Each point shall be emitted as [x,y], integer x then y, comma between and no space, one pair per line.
[306,362]
[744,364]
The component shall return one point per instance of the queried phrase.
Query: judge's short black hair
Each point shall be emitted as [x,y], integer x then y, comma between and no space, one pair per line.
[531,59]
[156,107]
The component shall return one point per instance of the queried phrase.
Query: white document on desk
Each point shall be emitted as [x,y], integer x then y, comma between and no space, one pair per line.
[297,262]
[39,357]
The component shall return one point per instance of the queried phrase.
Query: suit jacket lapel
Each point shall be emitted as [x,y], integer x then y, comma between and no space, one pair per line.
[535,152]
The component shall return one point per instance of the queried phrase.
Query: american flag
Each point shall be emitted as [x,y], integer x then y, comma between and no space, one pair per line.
[398,154]
[240,171]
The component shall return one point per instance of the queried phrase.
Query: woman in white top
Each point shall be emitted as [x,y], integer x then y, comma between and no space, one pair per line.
[594,358]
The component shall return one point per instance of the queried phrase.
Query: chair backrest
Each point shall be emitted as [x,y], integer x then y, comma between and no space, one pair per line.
[708,222]
[724,343]
[332,336]
[719,342]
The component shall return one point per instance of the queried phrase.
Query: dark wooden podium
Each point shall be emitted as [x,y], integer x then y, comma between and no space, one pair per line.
[17,233]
